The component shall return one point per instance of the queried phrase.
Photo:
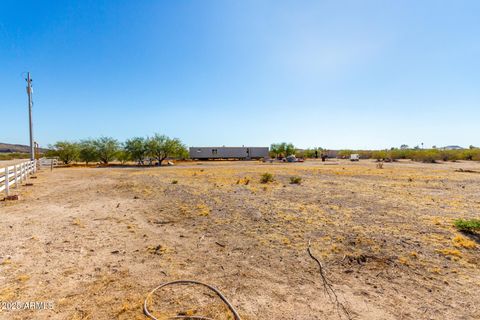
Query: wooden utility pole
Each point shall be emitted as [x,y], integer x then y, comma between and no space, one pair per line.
[30,102]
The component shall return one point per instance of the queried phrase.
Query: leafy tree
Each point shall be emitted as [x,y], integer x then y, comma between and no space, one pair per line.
[137,149]
[404,146]
[380,155]
[106,148]
[161,147]
[449,155]
[282,149]
[470,154]
[345,153]
[66,151]
[310,153]
[123,156]
[88,151]
[428,156]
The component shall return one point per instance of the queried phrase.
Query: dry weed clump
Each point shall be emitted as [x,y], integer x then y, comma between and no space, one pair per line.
[203,209]
[77,222]
[158,250]
[23,277]
[450,253]
[462,242]
[7,293]
[244,181]
[267,178]
[295,180]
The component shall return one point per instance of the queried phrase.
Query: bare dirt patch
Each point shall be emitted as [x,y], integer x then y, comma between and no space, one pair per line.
[95,241]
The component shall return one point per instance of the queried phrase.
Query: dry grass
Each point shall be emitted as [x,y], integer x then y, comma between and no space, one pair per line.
[385,237]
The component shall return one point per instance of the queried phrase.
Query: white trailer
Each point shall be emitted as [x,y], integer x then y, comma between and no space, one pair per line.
[242,153]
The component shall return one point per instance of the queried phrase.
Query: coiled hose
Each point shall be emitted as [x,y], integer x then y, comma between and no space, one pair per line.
[229,305]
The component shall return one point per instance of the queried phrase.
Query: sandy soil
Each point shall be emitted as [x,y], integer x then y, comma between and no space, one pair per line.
[95,241]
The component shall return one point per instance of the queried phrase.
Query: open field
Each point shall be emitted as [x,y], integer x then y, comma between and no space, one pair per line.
[95,241]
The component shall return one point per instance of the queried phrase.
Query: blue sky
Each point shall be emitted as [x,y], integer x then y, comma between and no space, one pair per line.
[335,74]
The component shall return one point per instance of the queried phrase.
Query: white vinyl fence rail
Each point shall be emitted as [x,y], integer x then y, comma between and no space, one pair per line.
[13,176]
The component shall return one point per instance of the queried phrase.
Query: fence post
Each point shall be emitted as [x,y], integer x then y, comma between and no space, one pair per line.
[16,175]
[7,182]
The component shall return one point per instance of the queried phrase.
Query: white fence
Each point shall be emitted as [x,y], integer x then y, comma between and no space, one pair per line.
[13,176]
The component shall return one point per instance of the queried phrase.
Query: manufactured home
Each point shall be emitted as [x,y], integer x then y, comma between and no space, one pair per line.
[243,153]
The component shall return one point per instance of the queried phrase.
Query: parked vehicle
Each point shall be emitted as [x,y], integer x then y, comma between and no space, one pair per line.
[354,157]
[292,158]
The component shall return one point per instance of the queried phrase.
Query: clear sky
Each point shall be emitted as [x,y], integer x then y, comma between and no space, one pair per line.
[334,74]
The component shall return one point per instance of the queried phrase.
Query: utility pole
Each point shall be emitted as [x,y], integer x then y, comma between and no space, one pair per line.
[30,102]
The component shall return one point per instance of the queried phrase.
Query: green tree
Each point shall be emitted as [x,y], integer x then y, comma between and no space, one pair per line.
[106,148]
[88,151]
[310,153]
[379,155]
[123,156]
[66,151]
[345,153]
[162,147]
[137,149]
[282,149]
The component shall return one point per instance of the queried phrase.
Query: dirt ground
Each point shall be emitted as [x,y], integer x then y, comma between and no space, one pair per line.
[95,241]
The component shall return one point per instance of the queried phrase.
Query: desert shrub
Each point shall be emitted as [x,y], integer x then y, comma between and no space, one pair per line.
[470,226]
[295,180]
[174,181]
[266,178]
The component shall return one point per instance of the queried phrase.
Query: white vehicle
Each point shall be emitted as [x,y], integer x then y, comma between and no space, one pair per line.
[354,157]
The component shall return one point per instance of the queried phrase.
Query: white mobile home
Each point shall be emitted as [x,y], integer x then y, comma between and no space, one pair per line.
[244,153]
